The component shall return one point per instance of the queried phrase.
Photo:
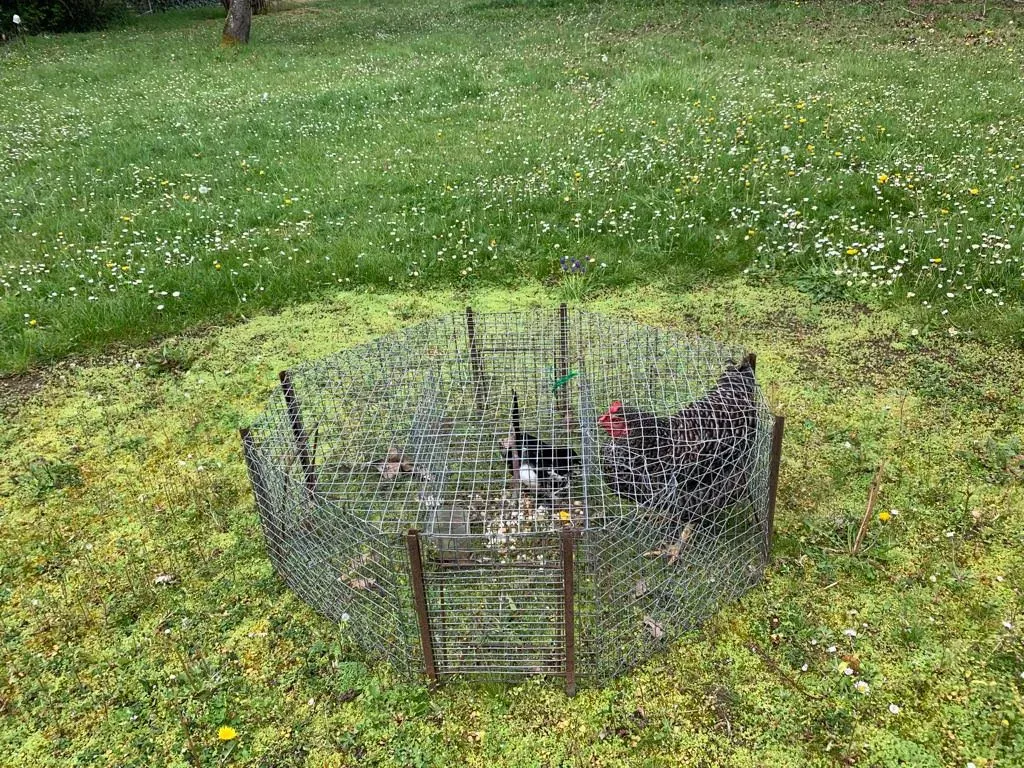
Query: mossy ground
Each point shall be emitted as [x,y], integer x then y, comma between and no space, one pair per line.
[128,468]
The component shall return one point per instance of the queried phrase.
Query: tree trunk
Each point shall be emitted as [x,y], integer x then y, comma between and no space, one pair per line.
[236,27]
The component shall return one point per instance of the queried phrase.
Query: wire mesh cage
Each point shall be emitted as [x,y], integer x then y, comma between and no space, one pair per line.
[558,493]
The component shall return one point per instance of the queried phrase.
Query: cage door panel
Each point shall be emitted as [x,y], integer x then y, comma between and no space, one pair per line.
[498,619]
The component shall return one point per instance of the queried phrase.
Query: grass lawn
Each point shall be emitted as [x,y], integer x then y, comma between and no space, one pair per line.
[152,181]
[835,186]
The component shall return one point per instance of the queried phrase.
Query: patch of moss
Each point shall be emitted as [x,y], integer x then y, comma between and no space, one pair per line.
[110,665]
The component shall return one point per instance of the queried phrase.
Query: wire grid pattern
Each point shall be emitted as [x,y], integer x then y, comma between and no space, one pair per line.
[668,492]
[499,619]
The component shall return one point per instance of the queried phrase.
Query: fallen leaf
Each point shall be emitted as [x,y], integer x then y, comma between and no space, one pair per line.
[368,585]
[358,562]
[687,534]
[395,464]
[673,553]
[654,628]
[673,550]
[640,588]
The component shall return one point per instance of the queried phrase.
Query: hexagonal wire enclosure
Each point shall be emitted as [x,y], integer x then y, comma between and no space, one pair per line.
[550,492]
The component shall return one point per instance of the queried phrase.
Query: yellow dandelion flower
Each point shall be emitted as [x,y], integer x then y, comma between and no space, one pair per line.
[810,147]
[882,178]
[226,733]
[852,251]
[884,517]
[975,191]
[563,515]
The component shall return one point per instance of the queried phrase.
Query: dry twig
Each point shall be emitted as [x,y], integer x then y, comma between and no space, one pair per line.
[786,679]
[876,486]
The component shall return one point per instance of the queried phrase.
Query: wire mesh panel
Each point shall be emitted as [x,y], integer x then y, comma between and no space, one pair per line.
[499,618]
[491,435]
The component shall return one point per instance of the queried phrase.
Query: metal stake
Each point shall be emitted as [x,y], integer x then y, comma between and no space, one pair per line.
[562,366]
[566,539]
[475,363]
[419,598]
[298,430]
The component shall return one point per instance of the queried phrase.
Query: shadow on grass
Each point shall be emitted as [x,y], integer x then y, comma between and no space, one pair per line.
[524,5]
[176,18]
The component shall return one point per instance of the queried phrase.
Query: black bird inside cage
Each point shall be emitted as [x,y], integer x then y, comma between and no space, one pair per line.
[495,495]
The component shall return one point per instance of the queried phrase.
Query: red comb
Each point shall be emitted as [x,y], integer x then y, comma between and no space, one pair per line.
[605,417]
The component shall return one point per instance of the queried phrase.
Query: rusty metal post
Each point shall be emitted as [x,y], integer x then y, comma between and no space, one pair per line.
[298,430]
[419,598]
[567,540]
[475,363]
[562,366]
[773,481]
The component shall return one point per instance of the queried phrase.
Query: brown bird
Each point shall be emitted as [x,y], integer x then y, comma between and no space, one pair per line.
[692,465]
